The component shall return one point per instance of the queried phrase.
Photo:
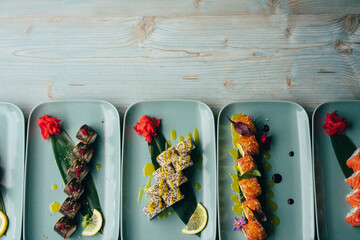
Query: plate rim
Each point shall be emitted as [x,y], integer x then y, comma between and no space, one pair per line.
[118,120]
[214,153]
[316,110]
[312,213]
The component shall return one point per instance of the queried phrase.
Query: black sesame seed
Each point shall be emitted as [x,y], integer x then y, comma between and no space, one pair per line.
[291,154]
[290,201]
[277,178]
[266,128]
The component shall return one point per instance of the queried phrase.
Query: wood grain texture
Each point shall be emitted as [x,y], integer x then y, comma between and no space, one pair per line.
[173,7]
[308,59]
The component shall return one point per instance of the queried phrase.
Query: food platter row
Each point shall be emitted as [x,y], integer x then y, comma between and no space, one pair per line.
[171,171]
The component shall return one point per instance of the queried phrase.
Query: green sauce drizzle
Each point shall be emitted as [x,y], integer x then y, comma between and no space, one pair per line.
[234,153]
[173,134]
[98,166]
[197,186]
[141,191]
[267,166]
[196,136]
[181,138]
[148,169]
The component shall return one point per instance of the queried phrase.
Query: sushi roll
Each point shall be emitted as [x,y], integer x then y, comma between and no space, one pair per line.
[254,231]
[86,134]
[174,195]
[158,190]
[78,170]
[354,198]
[178,179]
[181,162]
[246,164]
[83,152]
[154,208]
[354,180]
[353,217]
[249,123]
[354,161]
[250,188]
[74,189]
[165,157]
[69,207]
[253,205]
[185,146]
[64,227]
[164,172]
[248,145]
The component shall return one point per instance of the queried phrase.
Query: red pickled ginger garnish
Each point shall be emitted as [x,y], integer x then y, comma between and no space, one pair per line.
[49,126]
[67,208]
[147,127]
[335,124]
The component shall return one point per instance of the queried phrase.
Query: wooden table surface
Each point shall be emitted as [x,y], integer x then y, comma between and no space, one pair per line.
[215,51]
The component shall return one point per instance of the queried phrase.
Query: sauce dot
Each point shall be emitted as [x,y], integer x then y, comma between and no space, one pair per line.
[266,128]
[290,201]
[277,178]
[291,154]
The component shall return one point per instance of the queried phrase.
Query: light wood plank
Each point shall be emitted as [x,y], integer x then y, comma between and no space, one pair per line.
[303,58]
[173,7]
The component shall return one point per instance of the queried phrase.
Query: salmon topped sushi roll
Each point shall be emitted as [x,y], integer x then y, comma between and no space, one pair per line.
[246,164]
[353,217]
[354,180]
[250,188]
[248,145]
[254,231]
[249,123]
[354,198]
[250,206]
[354,161]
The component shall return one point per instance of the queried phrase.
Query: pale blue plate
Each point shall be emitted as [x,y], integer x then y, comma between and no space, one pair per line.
[183,117]
[331,188]
[289,128]
[42,171]
[12,151]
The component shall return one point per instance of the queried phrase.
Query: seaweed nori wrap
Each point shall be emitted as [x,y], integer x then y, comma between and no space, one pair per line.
[74,189]
[64,227]
[86,134]
[78,170]
[69,207]
[83,152]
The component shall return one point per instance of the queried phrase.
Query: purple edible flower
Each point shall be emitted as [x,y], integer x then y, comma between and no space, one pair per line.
[239,223]
[241,128]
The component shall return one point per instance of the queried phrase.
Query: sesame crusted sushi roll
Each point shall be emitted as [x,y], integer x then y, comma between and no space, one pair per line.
[165,157]
[354,198]
[246,164]
[181,162]
[153,208]
[254,231]
[83,152]
[177,180]
[248,145]
[174,195]
[164,172]
[156,191]
[69,207]
[354,180]
[64,227]
[250,188]
[353,217]
[86,134]
[185,146]
[78,170]
[74,189]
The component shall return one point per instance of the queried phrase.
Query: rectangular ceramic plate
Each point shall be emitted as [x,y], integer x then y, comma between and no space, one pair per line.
[183,117]
[12,151]
[289,128]
[331,189]
[42,171]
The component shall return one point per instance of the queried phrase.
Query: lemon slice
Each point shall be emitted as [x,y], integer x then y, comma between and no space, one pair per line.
[197,221]
[3,223]
[95,224]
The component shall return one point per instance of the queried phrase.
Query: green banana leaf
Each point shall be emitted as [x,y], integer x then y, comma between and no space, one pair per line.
[343,148]
[62,148]
[186,207]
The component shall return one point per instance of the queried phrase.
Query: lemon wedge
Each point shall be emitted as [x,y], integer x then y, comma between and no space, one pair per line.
[197,221]
[95,224]
[3,223]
